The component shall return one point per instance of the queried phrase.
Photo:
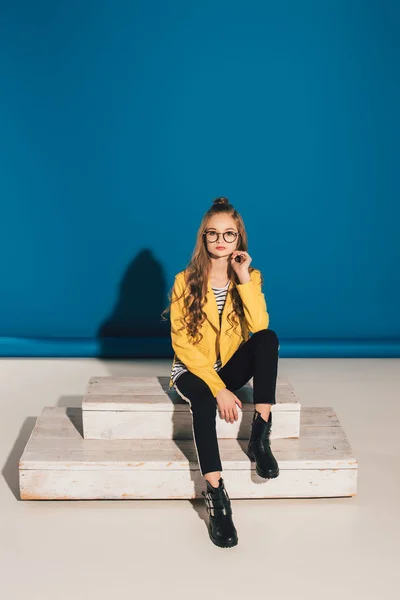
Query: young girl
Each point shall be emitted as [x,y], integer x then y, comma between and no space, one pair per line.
[221,295]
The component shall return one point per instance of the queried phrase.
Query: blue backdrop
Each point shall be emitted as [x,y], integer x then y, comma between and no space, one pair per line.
[121,121]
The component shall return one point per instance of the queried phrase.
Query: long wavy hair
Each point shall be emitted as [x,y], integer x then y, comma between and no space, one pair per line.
[197,272]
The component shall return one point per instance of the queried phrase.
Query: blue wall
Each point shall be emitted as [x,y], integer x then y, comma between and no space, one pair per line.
[120,123]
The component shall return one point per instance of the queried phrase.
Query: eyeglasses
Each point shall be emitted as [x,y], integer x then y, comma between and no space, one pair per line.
[213,236]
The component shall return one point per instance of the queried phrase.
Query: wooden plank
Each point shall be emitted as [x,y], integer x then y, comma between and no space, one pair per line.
[318,447]
[127,401]
[152,394]
[59,464]
[182,484]
[177,425]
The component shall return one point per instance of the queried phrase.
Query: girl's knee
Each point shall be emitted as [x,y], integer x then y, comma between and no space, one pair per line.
[269,337]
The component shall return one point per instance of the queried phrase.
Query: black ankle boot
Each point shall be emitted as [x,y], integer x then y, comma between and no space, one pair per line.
[220,528]
[259,448]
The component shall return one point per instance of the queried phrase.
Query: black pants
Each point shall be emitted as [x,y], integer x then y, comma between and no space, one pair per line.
[257,358]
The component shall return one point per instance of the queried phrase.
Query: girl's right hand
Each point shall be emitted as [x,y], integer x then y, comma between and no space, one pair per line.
[227,401]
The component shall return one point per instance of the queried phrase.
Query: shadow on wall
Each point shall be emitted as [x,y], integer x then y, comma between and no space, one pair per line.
[136,318]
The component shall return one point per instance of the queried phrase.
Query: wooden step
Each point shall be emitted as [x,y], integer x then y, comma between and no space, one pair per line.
[144,407]
[59,464]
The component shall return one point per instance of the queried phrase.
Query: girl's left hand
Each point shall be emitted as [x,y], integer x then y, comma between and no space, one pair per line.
[241,268]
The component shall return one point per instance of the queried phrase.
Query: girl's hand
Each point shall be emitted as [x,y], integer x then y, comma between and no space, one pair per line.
[227,401]
[241,268]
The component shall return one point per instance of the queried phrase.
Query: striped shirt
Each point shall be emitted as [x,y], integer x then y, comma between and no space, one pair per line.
[179,368]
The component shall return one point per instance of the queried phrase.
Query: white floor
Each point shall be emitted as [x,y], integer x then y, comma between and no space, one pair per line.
[292,549]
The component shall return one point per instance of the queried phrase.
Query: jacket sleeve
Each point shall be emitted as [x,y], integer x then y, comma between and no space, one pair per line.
[191,356]
[254,305]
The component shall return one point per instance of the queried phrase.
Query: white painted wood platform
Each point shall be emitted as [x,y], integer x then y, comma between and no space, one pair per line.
[145,408]
[59,464]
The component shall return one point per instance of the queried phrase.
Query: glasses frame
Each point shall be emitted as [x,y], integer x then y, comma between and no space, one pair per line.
[218,233]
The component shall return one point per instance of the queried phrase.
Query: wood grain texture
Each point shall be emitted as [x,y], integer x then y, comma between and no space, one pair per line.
[109,425]
[182,484]
[58,463]
[143,407]
[152,394]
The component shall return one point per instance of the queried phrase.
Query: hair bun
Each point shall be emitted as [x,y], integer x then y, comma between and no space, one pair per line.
[221,200]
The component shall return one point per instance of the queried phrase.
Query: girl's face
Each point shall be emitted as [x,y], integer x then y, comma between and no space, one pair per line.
[220,246]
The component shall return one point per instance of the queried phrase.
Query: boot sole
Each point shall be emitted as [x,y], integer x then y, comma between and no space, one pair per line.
[262,473]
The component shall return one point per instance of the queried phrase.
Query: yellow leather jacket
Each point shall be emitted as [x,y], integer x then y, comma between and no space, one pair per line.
[200,358]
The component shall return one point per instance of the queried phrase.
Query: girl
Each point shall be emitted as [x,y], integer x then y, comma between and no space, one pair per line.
[221,295]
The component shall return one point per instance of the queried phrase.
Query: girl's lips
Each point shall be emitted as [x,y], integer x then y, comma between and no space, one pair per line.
[220,247]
